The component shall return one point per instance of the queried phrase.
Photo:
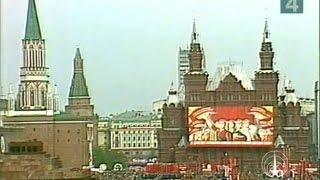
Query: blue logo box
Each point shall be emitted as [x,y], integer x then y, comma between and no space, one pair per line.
[291,6]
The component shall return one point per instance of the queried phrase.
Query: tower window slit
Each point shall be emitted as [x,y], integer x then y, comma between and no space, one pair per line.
[24,58]
[33,59]
[37,58]
[42,98]
[29,58]
[32,97]
[41,63]
[43,59]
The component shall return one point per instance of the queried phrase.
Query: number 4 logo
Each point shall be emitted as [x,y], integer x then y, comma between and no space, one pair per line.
[291,6]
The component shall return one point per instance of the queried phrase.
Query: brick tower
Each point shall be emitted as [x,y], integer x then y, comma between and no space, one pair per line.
[196,79]
[79,100]
[266,79]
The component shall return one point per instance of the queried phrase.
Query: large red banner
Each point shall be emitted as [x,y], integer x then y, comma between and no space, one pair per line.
[230,126]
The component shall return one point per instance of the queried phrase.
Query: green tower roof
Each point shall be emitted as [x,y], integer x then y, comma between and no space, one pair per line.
[78,85]
[32,27]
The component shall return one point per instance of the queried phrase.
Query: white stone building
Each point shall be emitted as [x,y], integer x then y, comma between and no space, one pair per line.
[183,65]
[132,132]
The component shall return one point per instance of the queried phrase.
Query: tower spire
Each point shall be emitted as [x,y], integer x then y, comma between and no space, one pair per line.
[194,35]
[196,52]
[33,31]
[79,100]
[266,52]
[78,54]
[78,85]
[34,89]
[266,33]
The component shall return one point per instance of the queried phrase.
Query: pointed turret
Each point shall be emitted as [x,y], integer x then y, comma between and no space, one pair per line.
[172,97]
[266,33]
[195,80]
[78,54]
[194,35]
[79,99]
[266,78]
[172,90]
[33,31]
[78,85]
[290,94]
[266,52]
[195,53]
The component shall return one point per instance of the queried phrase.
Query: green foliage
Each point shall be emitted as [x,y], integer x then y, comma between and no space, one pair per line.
[108,157]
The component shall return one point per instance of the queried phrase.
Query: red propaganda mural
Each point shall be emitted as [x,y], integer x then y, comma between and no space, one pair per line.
[230,126]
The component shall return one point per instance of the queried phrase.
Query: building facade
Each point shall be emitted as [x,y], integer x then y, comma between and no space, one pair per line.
[231,115]
[104,132]
[135,133]
[69,136]
[183,65]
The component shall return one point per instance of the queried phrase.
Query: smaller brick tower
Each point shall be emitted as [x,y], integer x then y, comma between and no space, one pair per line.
[79,99]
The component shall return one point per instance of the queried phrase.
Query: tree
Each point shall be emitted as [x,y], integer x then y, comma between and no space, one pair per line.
[108,157]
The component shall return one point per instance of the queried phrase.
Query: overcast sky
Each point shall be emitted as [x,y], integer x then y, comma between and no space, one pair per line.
[130,47]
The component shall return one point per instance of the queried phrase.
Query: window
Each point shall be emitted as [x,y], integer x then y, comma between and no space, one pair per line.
[57,140]
[23,97]
[68,131]
[43,98]
[34,129]
[78,131]
[68,140]
[32,97]
[58,131]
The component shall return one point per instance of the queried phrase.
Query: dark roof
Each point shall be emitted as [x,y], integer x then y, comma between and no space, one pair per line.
[67,117]
[78,54]
[135,116]
[32,27]
[78,86]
